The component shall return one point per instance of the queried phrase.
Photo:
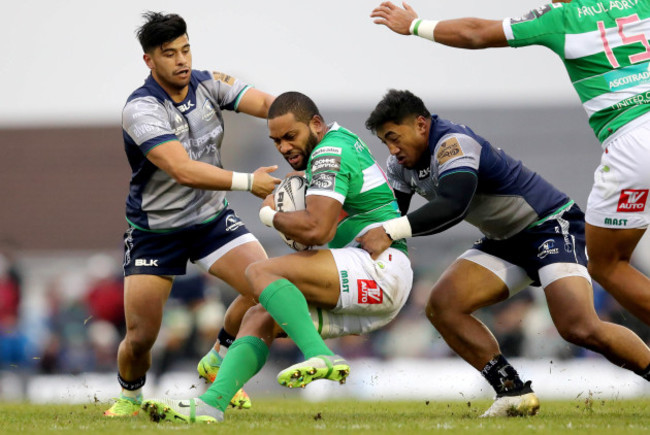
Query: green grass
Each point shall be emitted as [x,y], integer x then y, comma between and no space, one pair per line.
[579,416]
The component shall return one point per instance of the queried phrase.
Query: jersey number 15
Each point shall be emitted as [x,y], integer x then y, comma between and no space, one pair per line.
[621,23]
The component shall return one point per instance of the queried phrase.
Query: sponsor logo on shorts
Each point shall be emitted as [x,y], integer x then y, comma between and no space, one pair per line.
[448,150]
[547,248]
[233,222]
[369,292]
[146,262]
[345,282]
[128,245]
[616,222]
[632,200]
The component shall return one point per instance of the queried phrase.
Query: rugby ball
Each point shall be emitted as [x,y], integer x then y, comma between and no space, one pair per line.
[290,196]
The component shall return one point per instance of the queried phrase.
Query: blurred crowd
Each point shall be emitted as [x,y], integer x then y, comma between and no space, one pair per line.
[78,323]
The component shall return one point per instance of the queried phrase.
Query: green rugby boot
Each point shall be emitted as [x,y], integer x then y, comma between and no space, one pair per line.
[124,407]
[330,367]
[209,367]
[181,411]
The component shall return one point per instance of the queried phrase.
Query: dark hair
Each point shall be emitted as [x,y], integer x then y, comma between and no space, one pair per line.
[160,28]
[302,107]
[395,107]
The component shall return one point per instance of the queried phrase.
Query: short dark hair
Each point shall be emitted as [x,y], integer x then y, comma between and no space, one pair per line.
[302,107]
[396,106]
[160,28]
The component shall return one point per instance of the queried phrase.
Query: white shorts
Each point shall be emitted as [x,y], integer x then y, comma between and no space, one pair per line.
[619,196]
[516,278]
[372,292]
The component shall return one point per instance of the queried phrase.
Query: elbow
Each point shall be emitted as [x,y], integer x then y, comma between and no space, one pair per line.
[317,236]
[184,178]
[473,41]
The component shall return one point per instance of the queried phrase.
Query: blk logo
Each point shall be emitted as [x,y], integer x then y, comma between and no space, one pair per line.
[145,262]
[632,200]
[369,292]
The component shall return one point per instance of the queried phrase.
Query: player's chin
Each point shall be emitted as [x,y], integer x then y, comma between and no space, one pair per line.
[298,165]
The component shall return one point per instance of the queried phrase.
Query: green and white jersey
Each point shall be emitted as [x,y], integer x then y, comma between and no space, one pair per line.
[341,167]
[604,47]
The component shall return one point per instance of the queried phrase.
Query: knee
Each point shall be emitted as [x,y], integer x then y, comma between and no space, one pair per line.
[436,308]
[584,334]
[139,340]
[253,274]
[258,322]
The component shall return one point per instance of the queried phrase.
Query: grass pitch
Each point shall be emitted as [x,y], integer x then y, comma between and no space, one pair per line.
[579,416]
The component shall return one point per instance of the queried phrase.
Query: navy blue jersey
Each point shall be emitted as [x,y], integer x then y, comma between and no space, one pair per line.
[509,196]
[156,202]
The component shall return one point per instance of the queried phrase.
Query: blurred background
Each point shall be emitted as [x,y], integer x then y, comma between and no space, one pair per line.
[64,179]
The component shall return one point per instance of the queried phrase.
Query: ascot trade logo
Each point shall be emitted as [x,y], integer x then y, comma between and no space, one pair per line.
[632,200]
[628,77]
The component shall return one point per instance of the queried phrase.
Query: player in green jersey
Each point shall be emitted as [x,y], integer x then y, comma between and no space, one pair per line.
[314,294]
[605,49]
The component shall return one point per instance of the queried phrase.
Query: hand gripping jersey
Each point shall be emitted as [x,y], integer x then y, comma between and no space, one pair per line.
[342,167]
[509,197]
[156,202]
[604,47]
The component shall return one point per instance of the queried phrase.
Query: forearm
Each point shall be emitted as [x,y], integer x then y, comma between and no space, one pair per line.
[470,33]
[450,206]
[200,175]
[433,217]
[304,227]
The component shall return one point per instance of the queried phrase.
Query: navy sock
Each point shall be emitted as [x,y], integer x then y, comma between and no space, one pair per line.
[225,339]
[503,377]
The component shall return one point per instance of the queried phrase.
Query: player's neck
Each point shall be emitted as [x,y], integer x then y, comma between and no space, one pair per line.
[176,94]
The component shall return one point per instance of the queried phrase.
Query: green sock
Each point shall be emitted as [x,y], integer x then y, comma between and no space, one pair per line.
[245,358]
[289,309]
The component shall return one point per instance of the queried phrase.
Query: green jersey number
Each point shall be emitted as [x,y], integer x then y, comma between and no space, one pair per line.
[621,23]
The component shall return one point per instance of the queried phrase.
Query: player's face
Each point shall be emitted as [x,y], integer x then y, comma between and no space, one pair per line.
[295,140]
[171,64]
[406,141]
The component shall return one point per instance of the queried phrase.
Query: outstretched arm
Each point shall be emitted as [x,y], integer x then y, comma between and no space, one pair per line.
[469,33]
[455,192]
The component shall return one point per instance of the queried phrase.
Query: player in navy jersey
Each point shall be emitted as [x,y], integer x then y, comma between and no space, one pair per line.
[176,208]
[534,235]
[605,48]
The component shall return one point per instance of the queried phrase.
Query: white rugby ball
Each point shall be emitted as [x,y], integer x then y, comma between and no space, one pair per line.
[290,196]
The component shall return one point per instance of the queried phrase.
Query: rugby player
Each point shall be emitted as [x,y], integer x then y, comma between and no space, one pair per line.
[315,294]
[176,207]
[533,235]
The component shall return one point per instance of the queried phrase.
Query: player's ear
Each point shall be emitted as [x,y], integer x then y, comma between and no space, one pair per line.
[148,60]
[421,124]
[317,124]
